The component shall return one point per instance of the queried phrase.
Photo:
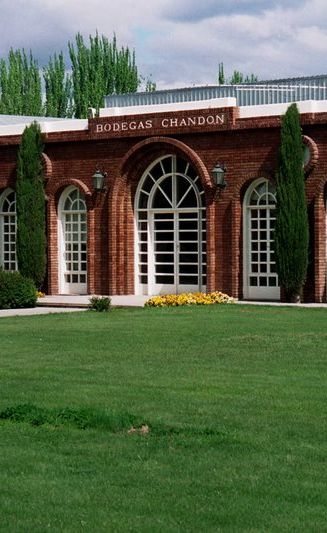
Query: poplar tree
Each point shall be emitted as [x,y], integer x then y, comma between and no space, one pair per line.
[30,202]
[221,74]
[292,229]
[58,88]
[100,69]
[150,85]
[20,85]
[237,77]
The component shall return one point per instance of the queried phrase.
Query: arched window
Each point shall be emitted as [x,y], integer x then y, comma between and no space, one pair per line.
[260,279]
[8,258]
[171,228]
[73,242]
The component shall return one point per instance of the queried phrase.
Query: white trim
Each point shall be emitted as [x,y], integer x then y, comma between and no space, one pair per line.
[213,103]
[50,126]
[3,196]
[269,110]
[64,287]
[152,287]
[253,293]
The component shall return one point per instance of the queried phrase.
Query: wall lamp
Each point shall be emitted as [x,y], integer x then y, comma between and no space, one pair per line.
[218,173]
[99,181]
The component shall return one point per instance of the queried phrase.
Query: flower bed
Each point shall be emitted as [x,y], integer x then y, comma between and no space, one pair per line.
[197,298]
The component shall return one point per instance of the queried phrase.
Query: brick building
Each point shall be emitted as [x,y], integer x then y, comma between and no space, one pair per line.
[160,223]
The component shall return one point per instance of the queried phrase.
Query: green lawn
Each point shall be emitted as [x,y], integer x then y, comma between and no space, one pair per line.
[235,398]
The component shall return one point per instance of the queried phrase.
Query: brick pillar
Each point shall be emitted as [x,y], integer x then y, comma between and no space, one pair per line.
[117,240]
[319,249]
[235,247]
[129,285]
[91,286]
[211,216]
[53,254]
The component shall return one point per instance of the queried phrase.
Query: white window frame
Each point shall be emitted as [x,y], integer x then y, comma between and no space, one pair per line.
[3,197]
[65,287]
[254,293]
[151,287]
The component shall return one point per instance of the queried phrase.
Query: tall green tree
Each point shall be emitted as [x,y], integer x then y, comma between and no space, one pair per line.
[221,74]
[150,85]
[100,69]
[292,227]
[20,85]
[58,88]
[236,78]
[30,201]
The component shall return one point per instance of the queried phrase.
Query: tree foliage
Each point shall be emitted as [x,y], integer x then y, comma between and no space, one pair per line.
[20,85]
[236,78]
[30,201]
[292,229]
[58,88]
[98,70]
[221,74]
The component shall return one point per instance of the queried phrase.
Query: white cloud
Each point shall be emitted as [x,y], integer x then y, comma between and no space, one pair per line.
[181,43]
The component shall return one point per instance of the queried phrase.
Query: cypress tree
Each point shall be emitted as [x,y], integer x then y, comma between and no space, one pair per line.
[292,228]
[30,201]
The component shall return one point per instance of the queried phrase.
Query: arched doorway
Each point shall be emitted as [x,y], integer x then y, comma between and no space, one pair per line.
[260,280]
[8,258]
[72,242]
[170,228]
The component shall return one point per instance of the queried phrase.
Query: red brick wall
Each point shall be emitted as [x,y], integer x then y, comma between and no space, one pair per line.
[248,147]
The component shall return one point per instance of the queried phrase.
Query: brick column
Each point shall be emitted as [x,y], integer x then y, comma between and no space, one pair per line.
[91,285]
[235,247]
[53,253]
[211,216]
[319,249]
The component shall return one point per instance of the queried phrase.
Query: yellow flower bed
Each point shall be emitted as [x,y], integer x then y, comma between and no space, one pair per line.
[40,294]
[197,298]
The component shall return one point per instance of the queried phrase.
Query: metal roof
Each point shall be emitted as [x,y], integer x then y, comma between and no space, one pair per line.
[264,92]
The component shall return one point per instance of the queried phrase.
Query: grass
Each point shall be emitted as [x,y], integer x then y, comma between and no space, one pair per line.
[235,401]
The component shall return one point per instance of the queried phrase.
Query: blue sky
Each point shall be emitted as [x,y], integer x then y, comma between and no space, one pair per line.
[181,42]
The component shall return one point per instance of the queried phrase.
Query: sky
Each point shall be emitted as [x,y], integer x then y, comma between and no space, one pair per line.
[180,42]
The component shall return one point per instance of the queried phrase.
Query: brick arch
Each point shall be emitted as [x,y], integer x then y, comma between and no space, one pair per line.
[246,182]
[319,229]
[320,187]
[121,208]
[53,189]
[140,151]
[47,165]
[237,191]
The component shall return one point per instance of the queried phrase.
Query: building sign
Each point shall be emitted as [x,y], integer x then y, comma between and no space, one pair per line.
[160,123]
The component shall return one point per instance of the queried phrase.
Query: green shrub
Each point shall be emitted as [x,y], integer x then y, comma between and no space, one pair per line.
[100,303]
[16,291]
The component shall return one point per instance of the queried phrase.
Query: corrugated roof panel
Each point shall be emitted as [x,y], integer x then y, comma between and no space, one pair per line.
[264,92]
